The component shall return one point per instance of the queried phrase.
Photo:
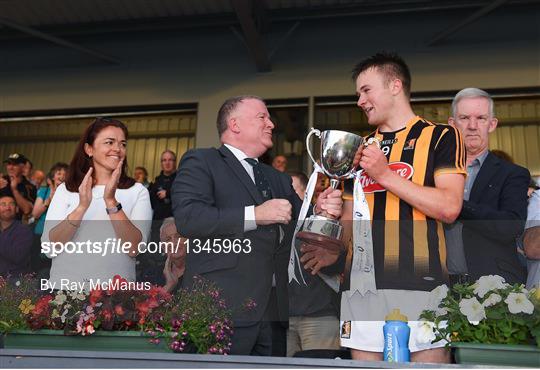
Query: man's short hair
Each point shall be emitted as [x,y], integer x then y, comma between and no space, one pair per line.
[472,92]
[391,65]
[166,151]
[301,177]
[227,108]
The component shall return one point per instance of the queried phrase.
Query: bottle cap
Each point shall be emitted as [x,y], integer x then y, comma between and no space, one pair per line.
[395,315]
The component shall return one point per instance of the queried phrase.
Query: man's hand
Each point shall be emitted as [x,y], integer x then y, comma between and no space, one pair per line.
[315,258]
[3,182]
[162,194]
[374,162]
[13,182]
[329,203]
[273,211]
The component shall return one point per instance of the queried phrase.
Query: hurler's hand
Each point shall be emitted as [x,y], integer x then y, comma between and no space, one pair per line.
[329,203]
[374,162]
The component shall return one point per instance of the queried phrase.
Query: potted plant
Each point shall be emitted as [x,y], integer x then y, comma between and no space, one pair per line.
[195,320]
[486,322]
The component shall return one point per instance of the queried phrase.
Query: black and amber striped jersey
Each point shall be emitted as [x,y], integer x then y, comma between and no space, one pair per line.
[409,247]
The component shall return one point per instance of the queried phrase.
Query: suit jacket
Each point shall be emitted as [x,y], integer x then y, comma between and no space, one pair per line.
[209,195]
[493,217]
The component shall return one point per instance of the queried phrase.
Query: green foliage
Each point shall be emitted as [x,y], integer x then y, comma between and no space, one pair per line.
[503,314]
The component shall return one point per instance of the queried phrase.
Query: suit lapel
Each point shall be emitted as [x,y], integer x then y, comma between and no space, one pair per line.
[241,173]
[487,171]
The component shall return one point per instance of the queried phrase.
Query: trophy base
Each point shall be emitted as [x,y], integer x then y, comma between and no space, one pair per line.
[321,241]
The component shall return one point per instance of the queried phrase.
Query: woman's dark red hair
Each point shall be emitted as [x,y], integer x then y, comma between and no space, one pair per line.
[81,162]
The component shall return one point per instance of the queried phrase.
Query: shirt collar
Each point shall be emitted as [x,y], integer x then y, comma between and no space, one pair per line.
[240,155]
[482,157]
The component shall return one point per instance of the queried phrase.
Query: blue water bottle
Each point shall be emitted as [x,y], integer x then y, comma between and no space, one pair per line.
[396,338]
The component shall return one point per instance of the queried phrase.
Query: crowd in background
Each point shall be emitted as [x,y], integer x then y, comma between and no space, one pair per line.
[26,195]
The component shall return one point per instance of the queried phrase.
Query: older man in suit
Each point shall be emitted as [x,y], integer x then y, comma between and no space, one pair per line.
[226,197]
[483,241]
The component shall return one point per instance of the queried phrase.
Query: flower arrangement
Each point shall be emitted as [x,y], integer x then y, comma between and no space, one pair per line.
[17,297]
[197,320]
[194,320]
[487,311]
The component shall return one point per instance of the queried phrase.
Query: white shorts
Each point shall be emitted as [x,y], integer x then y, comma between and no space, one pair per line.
[362,319]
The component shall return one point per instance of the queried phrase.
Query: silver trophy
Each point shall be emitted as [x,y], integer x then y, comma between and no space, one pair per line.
[338,149]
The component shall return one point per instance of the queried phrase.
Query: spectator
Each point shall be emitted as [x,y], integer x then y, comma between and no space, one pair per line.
[176,258]
[280,163]
[15,240]
[98,203]
[27,169]
[299,183]
[141,176]
[149,265]
[14,184]
[37,178]
[56,176]
[532,188]
[531,241]
[483,242]
[160,191]
[314,307]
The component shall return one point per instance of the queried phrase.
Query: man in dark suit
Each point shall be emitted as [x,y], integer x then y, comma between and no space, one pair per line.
[226,197]
[483,241]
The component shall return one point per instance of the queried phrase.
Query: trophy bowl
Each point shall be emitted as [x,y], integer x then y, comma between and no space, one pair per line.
[338,149]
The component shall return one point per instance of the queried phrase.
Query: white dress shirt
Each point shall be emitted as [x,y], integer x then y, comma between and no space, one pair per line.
[249,211]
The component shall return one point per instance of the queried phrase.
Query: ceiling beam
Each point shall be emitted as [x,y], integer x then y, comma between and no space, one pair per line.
[445,34]
[251,19]
[58,41]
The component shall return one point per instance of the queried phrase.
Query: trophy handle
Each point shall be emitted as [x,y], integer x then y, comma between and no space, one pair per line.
[311,132]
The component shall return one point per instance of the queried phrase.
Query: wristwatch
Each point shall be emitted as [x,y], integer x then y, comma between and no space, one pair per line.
[114,209]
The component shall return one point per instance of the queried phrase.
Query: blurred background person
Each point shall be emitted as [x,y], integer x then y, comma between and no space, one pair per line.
[149,265]
[15,240]
[27,168]
[175,264]
[140,174]
[299,183]
[57,175]
[280,163]
[15,185]
[160,191]
[38,178]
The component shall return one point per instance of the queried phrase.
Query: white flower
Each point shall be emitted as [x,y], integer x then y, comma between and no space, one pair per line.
[435,298]
[488,283]
[425,332]
[518,302]
[492,300]
[76,294]
[60,299]
[63,317]
[473,309]
[17,283]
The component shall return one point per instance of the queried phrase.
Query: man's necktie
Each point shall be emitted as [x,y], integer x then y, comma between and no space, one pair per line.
[260,180]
